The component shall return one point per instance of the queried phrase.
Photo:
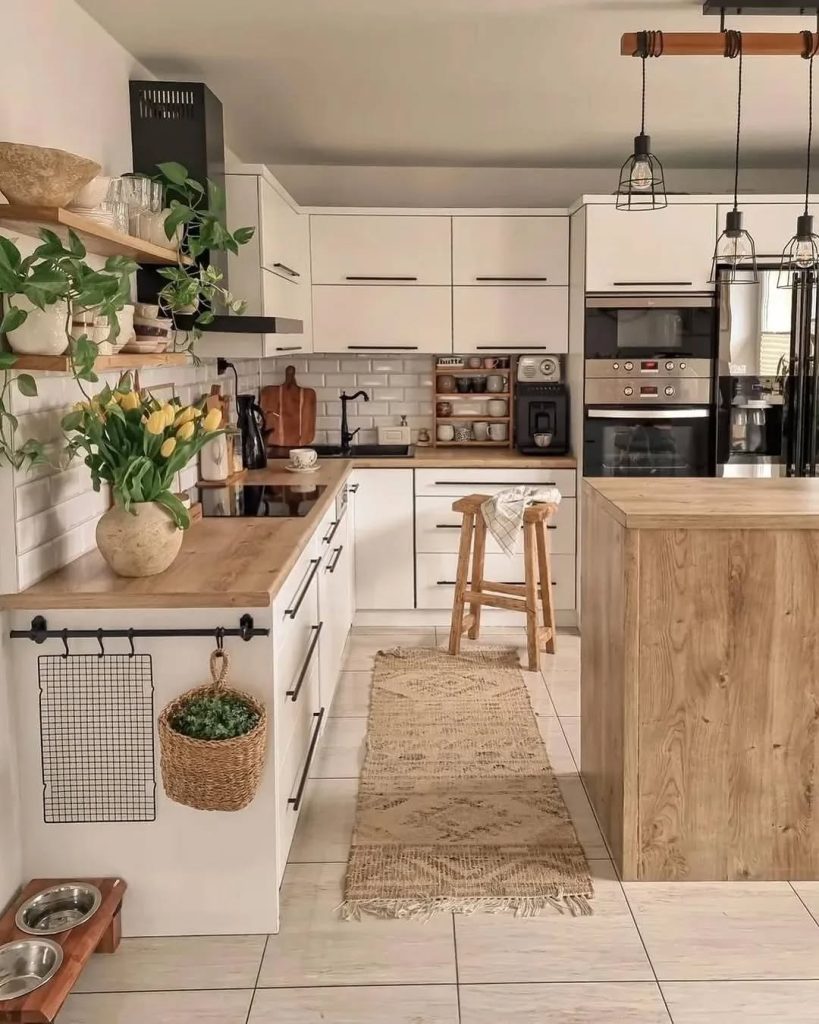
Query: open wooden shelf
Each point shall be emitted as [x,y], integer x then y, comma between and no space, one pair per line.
[123,361]
[454,418]
[472,394]
[97,238]
[472,444]
[461,371]
[508,373]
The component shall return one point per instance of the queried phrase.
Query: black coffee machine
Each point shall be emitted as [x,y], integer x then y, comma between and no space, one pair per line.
[541,407]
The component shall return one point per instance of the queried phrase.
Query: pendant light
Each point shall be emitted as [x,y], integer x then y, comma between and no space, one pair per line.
[802,251]
[642,185]
[735,253]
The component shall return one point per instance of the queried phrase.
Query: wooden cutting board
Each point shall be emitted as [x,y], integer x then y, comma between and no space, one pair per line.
[289,412]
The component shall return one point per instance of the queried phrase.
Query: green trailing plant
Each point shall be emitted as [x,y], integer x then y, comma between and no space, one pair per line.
[192,285]
[218,716]
[54,272]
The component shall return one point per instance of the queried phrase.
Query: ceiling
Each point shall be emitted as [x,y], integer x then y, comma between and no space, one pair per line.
[480,83]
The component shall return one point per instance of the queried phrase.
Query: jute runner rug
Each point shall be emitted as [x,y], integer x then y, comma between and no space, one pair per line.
[458,808]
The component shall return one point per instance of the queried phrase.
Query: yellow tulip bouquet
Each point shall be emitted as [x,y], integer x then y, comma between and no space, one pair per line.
[137,443]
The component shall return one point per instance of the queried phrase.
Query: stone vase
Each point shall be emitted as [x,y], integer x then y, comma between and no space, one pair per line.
[140,544]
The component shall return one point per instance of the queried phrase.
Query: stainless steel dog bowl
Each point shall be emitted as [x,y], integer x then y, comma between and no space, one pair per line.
[26,965]
[59,908]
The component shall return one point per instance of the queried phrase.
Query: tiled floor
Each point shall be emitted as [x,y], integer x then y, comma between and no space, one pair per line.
[651,953]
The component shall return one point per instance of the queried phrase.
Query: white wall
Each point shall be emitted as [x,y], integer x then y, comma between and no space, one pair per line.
[322,185]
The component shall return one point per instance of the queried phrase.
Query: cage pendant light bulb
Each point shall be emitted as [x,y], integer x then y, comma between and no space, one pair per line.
[735,253]
[642,184]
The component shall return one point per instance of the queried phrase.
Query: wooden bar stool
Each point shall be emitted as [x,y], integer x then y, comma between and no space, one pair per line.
[512,596]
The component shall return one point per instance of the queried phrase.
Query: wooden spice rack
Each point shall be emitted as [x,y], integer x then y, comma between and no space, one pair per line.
[473,397]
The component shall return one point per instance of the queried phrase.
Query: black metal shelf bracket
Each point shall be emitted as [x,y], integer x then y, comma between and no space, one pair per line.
[39,633]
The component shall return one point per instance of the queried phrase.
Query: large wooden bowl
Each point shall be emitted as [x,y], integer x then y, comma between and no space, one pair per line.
[37,176]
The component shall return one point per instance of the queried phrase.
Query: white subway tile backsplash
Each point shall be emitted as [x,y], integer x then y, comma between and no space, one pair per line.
[402,380]
[390,394]
[359,365]
[387,366]
[418,394]
[321,365]
[53,522]
[367,380]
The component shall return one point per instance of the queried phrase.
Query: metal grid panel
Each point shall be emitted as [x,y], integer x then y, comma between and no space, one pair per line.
[97,737]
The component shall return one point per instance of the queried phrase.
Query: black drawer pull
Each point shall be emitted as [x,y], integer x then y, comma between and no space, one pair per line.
[292,612]
[508,583]
[651,284]
[353,488]
[514,348]
[511,278]
[286,269]
[491,483]
[332,566]
[295,801]
[378,277]
[382,348]
[311,650]
[288,348]
[331,532]
[447,526]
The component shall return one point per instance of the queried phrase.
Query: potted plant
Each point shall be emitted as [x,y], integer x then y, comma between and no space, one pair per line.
[212,742]
[138,444]
[191,286]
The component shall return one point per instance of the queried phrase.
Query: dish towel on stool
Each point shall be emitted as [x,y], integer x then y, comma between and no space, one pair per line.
[503,514]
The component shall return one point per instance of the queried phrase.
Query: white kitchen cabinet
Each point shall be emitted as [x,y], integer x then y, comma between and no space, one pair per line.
[771,225]
[348,318]
[335,599]
[365,249]
[384,546]
[510,250]
[285,235]
[513,317]
[438,528]
[455,483]
[436,580]
[661,250]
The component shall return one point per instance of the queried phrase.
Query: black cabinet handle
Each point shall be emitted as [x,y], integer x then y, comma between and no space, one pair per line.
[292,612]
[288,348]
[651,284]
[332,566]
[378,277]
[295,801]
[311,650]
[353,488]
[383,348]
[511,278]
[489,483]
[508,583]
[286,269]
[331,532]
[514,348]
[457,526]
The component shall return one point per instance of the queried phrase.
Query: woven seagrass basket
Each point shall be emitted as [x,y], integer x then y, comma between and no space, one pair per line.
[212,775]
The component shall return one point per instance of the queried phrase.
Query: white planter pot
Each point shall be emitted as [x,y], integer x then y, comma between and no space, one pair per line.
[142,542]
[43,333]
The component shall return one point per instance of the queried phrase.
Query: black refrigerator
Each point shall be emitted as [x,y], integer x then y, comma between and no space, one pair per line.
[767,375]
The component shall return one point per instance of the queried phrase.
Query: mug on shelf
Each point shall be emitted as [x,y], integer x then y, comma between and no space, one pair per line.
[464,384]
[445,432]
[480,430]
[490,362]
[474,362]
[497,407]
[495,383]
[479,384]
[463,432]
[446,384]
[444,408]
[303,458]
[498,431]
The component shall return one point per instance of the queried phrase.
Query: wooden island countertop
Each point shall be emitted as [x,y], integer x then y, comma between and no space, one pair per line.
[236,562]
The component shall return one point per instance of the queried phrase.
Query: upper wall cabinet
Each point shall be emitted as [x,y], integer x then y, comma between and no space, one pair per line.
[382,318]
[510,250]
[514,317]
[771,225]
[372,250]
[661,250]
[285,235]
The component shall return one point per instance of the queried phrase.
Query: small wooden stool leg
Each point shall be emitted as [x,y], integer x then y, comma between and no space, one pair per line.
[545,574]
[477,573]
[460,583]
[530,577]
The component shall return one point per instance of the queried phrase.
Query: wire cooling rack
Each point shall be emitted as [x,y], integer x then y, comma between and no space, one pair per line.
[97,737]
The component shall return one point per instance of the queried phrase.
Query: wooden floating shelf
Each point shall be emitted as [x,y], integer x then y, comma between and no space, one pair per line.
[712,44]
[123,361]
[473,444]
[97,238]
[461,371]
[454,418]
[444,396]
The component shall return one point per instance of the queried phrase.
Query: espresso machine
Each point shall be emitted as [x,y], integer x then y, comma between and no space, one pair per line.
[541,406]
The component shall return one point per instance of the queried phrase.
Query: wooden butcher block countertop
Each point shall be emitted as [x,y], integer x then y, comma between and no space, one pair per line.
[710,504]
[237,562]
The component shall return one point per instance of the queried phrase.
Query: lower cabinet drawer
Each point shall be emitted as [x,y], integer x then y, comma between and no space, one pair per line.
[458,482]
[436,578]
[294,767]
[295,613]
[300,689]
[438,528]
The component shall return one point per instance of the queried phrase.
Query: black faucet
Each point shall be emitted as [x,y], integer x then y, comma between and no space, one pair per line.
[346,436]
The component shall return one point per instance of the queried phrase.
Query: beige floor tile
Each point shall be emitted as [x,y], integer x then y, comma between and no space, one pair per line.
[571,727]
[555,947]
[404,1004]
[583,817]
[156,1007]
[326,822]
[620,1003]
[341,751]
[362,649]
[704,931]
[809,894]
[560,757]
[316,947]
[564,689]
[742,1002]
[187,962]
[352,697]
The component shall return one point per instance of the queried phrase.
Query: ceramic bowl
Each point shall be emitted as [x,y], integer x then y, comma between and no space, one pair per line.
[446,384]
[444,408]
[37,176]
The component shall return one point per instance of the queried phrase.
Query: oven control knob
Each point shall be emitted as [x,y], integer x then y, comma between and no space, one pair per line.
[628,366]
[669,391]
[615,366]
[669,366]
[628,390]
[682,366]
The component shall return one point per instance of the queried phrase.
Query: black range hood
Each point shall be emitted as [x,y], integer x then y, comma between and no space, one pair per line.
[242,324]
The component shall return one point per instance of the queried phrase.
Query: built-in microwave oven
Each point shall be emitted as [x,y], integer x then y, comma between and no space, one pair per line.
[648,326]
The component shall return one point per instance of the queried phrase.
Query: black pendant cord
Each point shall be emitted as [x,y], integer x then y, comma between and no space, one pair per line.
[811,47]
[649,44]
[733,50]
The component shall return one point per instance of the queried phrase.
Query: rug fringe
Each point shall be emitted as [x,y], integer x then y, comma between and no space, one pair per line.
[423,910]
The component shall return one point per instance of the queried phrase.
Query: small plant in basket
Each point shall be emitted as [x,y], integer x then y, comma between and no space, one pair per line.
[216,716]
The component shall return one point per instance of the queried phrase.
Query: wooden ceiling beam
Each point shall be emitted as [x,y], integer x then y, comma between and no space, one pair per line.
[712,44]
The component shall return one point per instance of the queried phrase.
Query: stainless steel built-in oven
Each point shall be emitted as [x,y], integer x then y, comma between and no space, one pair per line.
[654,418]
[645,326]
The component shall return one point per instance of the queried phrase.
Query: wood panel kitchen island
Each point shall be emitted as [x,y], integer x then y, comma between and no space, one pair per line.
[700,675]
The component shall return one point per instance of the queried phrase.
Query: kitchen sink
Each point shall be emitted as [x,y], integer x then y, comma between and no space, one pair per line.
[357,451]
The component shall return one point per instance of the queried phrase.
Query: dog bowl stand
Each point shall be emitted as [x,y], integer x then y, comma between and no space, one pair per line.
[99,934]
